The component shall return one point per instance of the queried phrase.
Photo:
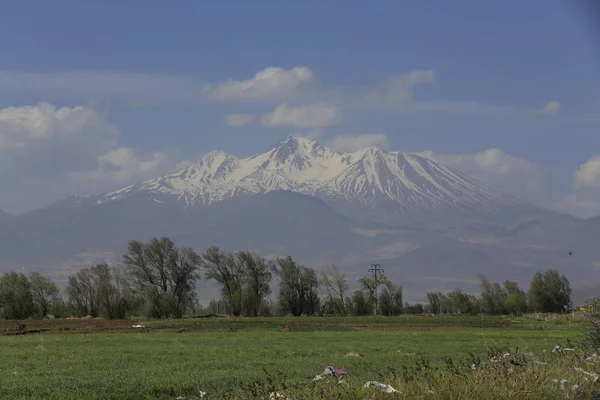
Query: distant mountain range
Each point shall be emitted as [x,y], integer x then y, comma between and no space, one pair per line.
[429,226]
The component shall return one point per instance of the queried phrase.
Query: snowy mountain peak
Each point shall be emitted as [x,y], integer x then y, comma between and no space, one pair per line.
[298,147]
[370,177]
[217,159]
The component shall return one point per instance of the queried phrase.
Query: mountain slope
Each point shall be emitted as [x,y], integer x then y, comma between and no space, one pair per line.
[275,224]
[372,182]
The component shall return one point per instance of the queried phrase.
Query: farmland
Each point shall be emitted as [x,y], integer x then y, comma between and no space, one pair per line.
[251,357]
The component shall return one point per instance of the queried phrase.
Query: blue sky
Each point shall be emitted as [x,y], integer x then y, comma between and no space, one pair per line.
[153,76]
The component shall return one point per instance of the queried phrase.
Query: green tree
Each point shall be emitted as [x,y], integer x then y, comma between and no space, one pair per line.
[435,300]
[459,302]
[310,285]
[16,297]
[46,295]
[416,308]
[515,301]
[361,304]
[549,292]
[257,278]
[165,274]
[228,272]
[370,284]
[390,300]
[297,288]
[493,297]
[81,293]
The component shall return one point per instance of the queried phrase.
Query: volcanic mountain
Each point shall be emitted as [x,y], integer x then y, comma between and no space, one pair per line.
[370,184]
[424,222]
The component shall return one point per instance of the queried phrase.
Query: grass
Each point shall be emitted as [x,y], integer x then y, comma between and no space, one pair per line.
[248,358]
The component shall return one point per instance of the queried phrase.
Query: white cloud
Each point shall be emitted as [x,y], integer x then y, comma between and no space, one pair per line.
[272,82]
[311,116]
[398,90]
[315,133]
[48,152]
[500,171]
[239,119]
[584,200]
[27,133]
[588,174]
[491,162]
[124,165]
[552,107]
[279,84]
[348,143]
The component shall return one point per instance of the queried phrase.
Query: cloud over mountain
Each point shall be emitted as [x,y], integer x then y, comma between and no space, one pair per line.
[48,151]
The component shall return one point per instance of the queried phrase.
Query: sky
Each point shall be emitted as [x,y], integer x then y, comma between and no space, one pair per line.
[95,96]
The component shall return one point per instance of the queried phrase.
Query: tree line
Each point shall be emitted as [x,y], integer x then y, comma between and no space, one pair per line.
[158,279]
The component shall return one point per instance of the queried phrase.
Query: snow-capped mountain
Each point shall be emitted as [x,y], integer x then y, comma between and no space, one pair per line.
[432,227]
[372,178]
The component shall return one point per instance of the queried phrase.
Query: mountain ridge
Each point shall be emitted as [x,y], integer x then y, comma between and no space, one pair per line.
[406,185]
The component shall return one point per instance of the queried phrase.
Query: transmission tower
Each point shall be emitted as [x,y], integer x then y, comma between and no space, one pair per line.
[376,271]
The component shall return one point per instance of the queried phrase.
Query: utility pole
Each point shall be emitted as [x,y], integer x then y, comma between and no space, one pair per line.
[376,270]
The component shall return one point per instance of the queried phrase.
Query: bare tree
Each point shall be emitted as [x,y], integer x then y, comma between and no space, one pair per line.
[257,276]
[165,274]
[298,287]
[334,280]
[106,292]
[81,293]
[228,272]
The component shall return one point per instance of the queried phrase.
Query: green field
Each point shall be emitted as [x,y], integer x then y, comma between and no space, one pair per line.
[243,358]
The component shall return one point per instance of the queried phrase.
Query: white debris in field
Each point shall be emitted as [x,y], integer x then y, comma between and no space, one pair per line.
[562,382]
[593,358]
[202,395]
[557,349]
[575,387]
[594,375]
[330,371]
[498,359]
[386,388]
[138,326]
[540,363]
[276,395]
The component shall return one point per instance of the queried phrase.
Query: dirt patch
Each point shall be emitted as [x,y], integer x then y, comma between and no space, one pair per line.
[23,332]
